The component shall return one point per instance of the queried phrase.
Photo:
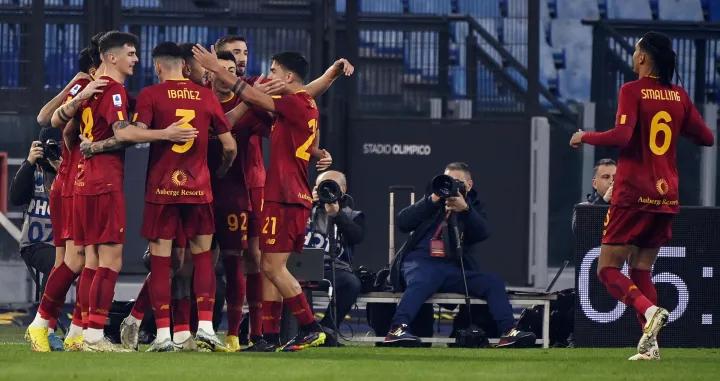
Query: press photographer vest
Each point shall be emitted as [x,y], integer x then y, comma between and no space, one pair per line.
[37,227]
[316,235]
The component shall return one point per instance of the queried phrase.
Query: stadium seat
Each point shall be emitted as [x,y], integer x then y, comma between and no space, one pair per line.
[421,54]
[515,31]
[713,7]
[435,7]
[141,3]
[480,9]
[629,9]
[568,33]
[574,81]
[577,9]
[381,6]
[340,6]
[680,10]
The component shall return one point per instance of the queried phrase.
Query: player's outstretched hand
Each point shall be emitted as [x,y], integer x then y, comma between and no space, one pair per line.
[93,88]
[177,134]
[325,162]
[208,60]
[576,140]
[343,66]
[80,75]
[270,86]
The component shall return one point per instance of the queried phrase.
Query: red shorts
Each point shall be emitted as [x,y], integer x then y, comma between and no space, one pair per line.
[638,228]
[256,220]
[163,221]
[231,228]
[56,217]
[283,227]
[181,240]
[66,224]
[99,219]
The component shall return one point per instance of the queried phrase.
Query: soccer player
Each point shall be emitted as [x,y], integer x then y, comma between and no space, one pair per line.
[287,200]
[265,318]
[652,113]
[178,188]
[63,274]
[99,210]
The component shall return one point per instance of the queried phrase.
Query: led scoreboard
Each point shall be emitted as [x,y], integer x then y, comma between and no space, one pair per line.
[686,276]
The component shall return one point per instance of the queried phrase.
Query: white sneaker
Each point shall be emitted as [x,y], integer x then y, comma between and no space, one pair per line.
[652,355]
[655,322]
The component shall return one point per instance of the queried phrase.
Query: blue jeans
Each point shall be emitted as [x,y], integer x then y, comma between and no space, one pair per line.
[426,276]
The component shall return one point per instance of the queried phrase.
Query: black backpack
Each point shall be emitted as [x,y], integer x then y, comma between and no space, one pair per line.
[562,319]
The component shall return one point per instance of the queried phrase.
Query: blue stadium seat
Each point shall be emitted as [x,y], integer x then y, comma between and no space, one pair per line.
[713,7]
[680,10]
[629,9]
[421,54]
[435,7]
[574,81]
[578,9]
[568,33]
[9,55]
[340,6]
[480,9]
[141,3]
[381,6]
[55,3]
[515,31]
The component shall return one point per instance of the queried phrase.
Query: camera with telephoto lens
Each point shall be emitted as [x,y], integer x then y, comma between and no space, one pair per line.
[330,192]
[51,150]
[445,186]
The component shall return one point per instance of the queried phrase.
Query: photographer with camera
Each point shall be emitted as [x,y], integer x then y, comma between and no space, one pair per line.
[602,183]
[31,188]
[331,209]
[449,221]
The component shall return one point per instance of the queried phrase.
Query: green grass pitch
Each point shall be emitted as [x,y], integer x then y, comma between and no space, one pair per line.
[355,363]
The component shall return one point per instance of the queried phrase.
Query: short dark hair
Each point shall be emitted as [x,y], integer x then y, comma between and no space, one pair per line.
[225,55]
[602,162]
[85,62]
[459,166]
[294,62]
[224,40]
[116,39]
[659,47]
[94,48]
[167,49]
[186,50]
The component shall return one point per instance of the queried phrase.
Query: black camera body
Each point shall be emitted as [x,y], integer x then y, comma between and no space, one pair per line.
[445,186]
[52,151]
[329,192]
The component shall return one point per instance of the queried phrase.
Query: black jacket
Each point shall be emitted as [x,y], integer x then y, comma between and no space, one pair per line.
[594,199]
[422,219]
[21,188]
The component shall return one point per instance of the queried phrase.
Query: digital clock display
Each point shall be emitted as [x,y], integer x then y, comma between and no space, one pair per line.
[686,275]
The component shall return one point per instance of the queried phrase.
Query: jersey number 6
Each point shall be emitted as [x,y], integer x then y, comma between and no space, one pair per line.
[187,116]
[659,124]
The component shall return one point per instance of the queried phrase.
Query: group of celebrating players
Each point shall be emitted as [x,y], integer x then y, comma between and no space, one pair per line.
[207,194]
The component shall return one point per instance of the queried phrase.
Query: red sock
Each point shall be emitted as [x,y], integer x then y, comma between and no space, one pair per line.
[52,324]
[643,281]
[143,300]
[77,312]
[102,292]
[181,315]
[58,284]
[623,289]
[159,287]
[235,292]
[300,309]
[86,281]
[254,299]
[203,281]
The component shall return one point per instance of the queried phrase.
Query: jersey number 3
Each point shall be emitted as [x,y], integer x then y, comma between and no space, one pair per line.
[659,124]
[187,117]
[302,151]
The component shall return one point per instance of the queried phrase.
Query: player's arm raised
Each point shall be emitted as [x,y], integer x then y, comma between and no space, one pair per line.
[319,86]
[247,93]
[45,115]
[64,113]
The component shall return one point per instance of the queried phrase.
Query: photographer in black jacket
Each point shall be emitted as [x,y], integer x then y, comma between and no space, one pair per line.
[350,231]
[602,183]
[428,264]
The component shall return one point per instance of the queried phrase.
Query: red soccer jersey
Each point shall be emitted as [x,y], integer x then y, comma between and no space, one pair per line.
[254,164]
[67,163]
[291,141]
[178,173]
[649,119]
[102,173]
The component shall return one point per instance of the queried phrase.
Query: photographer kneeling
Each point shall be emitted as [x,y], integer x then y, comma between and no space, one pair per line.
[428,262]
[331,205]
